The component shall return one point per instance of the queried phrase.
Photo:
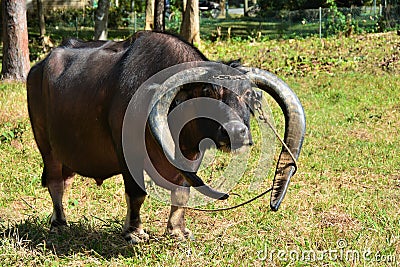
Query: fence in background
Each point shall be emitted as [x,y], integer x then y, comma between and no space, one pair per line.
[324,21]
[279,24]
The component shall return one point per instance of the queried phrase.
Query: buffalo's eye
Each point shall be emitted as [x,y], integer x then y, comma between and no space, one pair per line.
[248,95]
[178,101]
[207,90]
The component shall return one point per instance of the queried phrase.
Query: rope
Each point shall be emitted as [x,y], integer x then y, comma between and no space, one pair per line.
[258,108]
[233,207]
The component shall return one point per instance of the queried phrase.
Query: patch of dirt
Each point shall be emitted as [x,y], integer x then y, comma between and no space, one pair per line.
[17,144]
[392,60]
[340,220]
[361,134]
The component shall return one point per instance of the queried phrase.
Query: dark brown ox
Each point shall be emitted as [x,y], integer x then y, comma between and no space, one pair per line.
[77,99]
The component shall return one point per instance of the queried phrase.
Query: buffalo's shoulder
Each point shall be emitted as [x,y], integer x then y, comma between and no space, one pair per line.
[58,60]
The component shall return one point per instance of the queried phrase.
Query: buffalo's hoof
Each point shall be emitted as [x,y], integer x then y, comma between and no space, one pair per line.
[181,234]
[57,226]
[136,237]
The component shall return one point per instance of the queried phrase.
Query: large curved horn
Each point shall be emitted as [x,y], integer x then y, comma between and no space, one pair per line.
[295,125]
[158,124]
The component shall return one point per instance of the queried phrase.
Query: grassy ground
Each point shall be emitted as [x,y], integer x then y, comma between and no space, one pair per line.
[342,208]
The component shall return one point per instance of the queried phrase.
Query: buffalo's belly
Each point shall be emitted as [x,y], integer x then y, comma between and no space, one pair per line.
[89,162]
[86,150]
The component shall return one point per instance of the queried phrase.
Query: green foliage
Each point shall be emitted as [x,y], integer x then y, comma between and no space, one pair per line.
[336,21]
[9,131]
[385,23]
[69,17]
[173,24]
[118,17]
[268,5]
[77,18]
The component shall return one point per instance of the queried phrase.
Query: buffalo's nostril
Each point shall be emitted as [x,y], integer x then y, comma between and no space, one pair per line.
[223,131]
[241,130]
[234,134]
[236,131]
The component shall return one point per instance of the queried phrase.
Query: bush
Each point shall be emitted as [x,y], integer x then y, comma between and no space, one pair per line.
[118,16]
[68,17]
[336,21]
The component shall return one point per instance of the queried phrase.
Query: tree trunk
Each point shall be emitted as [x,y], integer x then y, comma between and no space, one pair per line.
[388,13]
[15,65]
[190,27]
[1,21]
[101,20]
[246,8]
[42,24]
[159,15]
[184,2]
[222,4]
[149,15]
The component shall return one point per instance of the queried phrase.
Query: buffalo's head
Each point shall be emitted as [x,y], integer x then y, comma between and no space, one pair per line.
[224,117]
[226,121]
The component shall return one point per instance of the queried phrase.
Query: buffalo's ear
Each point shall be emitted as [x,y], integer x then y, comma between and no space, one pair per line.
[258,95]
[234,63]
[252,97]
[181,97]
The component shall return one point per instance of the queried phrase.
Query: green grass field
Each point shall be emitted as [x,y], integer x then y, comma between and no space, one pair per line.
[342,208]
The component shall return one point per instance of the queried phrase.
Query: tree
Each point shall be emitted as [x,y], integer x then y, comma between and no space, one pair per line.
[190,27]
[101,20]
[222,4]
[42,24]
[388,20]
[149,15]
[184,2]
[15,65]
[246,7]
[159,15]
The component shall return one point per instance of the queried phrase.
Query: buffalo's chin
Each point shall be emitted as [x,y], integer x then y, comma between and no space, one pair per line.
[235,148]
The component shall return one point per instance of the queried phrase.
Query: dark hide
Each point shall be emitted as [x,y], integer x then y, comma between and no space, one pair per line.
[77,97]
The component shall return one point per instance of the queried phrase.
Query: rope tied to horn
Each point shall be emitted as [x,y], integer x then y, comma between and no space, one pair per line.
[262,117]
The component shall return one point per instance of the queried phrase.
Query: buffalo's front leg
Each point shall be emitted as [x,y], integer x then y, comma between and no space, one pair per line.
[133,230]
[176,225]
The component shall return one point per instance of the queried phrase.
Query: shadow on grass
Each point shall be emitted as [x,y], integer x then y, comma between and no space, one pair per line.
[84,237]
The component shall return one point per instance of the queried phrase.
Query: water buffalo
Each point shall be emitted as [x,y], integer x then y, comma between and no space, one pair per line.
[77,99]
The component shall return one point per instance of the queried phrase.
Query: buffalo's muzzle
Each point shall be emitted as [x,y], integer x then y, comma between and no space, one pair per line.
[233,134]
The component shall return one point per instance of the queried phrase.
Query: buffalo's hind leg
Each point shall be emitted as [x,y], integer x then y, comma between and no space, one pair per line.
[56,178]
